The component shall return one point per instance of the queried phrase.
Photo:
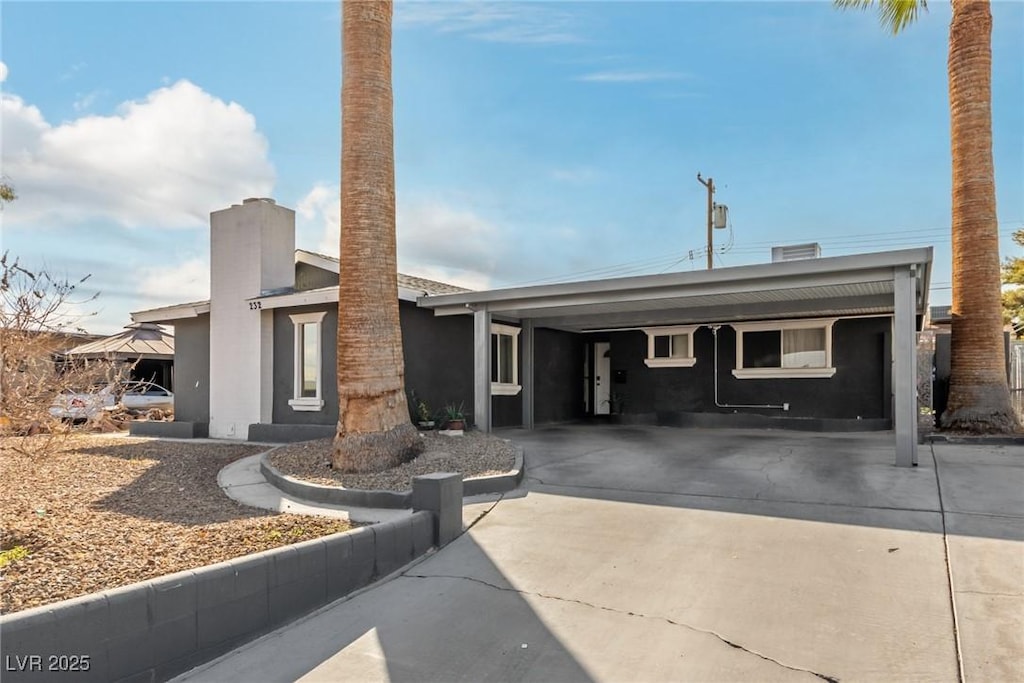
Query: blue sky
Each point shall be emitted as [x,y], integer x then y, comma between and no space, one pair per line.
[535,141]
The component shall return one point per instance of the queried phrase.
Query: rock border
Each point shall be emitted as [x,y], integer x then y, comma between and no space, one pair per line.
[393,500]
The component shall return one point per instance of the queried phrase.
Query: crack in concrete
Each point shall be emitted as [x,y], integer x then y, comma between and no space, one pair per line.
[995,593]
[768,475]
[723,639]
[950,583]
[484,513]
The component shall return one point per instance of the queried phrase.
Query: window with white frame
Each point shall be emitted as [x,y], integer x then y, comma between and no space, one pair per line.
[669,347]
[785,348]
[505,360]
[308,386]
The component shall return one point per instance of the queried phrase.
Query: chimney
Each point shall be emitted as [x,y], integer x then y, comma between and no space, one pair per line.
[252,251]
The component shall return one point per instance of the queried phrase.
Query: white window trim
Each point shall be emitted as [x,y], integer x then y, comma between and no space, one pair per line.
[298,402]
[687,361]
[764,373]
[505,388]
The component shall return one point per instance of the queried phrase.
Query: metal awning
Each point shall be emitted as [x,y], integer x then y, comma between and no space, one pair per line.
[862,284]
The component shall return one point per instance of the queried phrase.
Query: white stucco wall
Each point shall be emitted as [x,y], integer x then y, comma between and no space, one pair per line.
[252,250]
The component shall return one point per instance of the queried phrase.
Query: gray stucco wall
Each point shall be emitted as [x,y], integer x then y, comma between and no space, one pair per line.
[438,356]
[311,277]
[438,361]
[284,367]
[558,376]
[192,369]
[859,389]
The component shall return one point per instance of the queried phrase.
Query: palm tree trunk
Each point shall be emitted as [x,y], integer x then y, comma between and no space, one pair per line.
[979,398]
[374,431]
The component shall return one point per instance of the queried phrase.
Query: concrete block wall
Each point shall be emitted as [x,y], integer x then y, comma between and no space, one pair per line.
[156,629]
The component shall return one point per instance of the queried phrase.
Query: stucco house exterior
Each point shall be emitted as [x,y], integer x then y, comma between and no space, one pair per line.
[822,343]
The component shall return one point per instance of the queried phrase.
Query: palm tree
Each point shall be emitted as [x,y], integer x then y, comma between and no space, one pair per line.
[374,431]
[979,397]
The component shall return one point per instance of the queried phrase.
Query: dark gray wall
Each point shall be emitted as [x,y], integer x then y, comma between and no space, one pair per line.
[438,361]
[192,369]
[438,357]
[311,277]
[558,376]
[284,366]
[858,389]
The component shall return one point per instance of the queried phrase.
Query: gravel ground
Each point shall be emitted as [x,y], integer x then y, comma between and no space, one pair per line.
[98,511]
[473,454]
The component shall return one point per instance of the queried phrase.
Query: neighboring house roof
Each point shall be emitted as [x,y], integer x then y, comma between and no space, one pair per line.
[410,288]
[421,284]
[138,340]
[863,284]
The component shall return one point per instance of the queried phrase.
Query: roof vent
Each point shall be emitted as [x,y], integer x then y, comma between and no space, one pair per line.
[251,200]
[796,252]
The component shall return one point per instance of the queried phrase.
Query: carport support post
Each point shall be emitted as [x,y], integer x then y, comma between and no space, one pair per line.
[526,372]
[482,369]
[904,361]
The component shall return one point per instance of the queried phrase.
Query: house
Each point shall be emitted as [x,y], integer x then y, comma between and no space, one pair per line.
[257,360]
[146,349]
[820,343]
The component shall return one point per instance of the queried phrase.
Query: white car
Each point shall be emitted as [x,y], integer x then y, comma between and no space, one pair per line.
[143,396]
[138,396]
[81,405]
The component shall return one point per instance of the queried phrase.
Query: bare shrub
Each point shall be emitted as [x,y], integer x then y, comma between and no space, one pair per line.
[40,317]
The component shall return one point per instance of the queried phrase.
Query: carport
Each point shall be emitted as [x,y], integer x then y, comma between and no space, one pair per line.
[893,284]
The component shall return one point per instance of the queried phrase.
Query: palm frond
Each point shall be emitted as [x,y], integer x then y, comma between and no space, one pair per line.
[895,15]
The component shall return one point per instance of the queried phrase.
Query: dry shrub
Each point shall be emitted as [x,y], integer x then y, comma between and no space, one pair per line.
[39,318]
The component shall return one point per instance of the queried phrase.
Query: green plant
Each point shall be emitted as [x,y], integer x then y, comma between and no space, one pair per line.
[454,412]
[423,411]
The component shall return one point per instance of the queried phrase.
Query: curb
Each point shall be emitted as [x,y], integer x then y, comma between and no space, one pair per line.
[336,495]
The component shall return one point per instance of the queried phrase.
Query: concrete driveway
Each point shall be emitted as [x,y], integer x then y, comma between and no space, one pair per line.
[657,554]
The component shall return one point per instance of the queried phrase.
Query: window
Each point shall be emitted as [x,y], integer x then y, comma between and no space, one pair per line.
[505,360]
[669,347]
[792,348]
[307,394]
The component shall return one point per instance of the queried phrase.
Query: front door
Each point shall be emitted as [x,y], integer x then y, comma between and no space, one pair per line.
[602,378]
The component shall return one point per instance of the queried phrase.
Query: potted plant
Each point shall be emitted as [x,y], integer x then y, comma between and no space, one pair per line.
[425,418]
[454,418]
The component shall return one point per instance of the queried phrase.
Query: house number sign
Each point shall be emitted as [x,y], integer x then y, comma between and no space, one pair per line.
[255,305]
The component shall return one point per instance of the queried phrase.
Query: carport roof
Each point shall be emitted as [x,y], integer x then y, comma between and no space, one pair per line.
[862,284]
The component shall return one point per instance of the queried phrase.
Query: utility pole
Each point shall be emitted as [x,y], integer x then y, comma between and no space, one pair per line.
[710,184]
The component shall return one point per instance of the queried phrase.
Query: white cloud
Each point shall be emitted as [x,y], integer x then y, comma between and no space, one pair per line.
[498,22]
[84,102]
[175,283]
[164,161]
[631,76]
[435,240]
[3,72]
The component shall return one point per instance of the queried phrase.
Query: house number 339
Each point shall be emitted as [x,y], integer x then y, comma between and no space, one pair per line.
[255,305]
